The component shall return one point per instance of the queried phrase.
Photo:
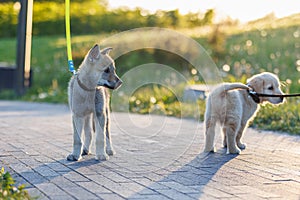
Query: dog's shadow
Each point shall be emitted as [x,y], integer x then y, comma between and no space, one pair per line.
[58,170]
[193,176]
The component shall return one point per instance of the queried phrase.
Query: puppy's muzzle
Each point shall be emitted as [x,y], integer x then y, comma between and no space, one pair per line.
[277,100]
[282,99]
[118,84]
[112,84]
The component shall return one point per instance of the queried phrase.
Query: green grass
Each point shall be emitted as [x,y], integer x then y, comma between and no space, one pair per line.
[246,52]
[274,50]
[8,50]
[283,118]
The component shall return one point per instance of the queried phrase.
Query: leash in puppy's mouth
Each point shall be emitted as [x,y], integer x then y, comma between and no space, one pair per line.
[255,96]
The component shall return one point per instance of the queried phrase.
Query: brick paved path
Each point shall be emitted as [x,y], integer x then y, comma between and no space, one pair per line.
[157,158]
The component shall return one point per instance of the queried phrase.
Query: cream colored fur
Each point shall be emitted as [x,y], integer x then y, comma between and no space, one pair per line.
[230,106]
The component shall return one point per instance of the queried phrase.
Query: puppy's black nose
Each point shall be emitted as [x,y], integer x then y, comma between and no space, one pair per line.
[118,84]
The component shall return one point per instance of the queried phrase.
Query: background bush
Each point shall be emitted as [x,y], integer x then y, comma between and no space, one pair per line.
[8,190]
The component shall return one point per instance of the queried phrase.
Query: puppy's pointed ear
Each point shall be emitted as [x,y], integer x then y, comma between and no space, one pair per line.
[106,50]
[94,53]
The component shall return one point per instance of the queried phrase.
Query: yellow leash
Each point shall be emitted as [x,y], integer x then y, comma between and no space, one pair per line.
[68,37]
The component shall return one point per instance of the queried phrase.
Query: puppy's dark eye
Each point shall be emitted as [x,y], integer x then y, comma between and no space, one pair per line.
[270,88]
[106,70]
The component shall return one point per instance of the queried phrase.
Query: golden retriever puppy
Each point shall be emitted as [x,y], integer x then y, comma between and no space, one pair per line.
[232,107]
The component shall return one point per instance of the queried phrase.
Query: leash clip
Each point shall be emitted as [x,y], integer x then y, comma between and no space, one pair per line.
[71,67]
[254,96]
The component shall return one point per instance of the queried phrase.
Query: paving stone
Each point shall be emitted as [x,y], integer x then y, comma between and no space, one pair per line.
[216,193]
[62,182]
[149,197]
[94,188]
[179,187]
[122,190]
[75,177]
[46,171]
[116,177]
[158,185]
[142,180]
[111,197]
[58,167]
[81,193]
[147,192]
[174,194]
[33,177]
[50,190]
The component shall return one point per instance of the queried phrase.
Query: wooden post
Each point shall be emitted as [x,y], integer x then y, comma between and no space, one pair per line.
[22,73]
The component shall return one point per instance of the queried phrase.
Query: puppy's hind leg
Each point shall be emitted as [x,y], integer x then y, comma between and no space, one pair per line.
[239,136]
[78,123]
[224,138]
[210,135]
[232,126]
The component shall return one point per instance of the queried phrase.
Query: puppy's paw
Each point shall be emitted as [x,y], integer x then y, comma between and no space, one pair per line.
[210,149]
[102,157]
[85,152]
[242,145]
[233,151]
[73,157]
[110,152]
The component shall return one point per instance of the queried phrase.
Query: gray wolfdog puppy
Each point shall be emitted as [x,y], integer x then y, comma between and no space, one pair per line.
[89,101]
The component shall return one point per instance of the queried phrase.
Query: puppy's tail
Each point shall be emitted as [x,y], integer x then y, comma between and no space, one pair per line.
[234,86]
[225,87]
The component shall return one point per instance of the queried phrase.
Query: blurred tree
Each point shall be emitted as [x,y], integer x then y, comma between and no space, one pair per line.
[208,17]
[93,16]
[63,1]
[192,19]
[198,19]
[217,42]
[7,1]
[8,19]
[152,20]
[174,16]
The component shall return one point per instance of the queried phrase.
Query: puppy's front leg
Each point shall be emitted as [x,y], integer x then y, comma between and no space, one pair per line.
[100,127]
[88,135]
[109,148]
[78,123]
